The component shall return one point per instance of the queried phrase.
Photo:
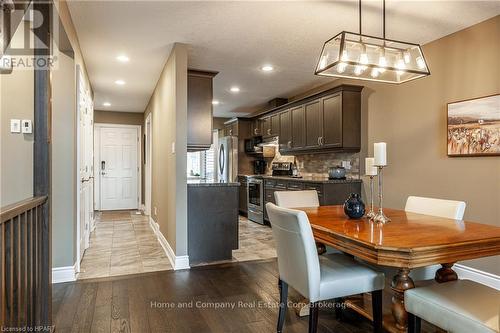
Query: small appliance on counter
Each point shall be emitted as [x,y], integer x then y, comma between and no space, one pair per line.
[259,167]
[282,169]
[337,172]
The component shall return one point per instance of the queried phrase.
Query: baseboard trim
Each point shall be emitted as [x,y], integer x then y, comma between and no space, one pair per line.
[469,273]
[64,274]
[177,262]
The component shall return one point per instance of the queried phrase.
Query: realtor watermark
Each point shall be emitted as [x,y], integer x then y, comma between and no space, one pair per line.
[23,31]
[256,304]
[27,328]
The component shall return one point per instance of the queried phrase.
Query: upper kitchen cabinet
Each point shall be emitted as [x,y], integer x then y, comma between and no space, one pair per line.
[270,125]
[285,133]
[200,113]
[326,121]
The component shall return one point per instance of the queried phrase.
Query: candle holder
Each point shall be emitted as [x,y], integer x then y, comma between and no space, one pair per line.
[380,217]
[371,214]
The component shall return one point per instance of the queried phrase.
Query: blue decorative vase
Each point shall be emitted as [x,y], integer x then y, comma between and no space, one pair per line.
[354,206]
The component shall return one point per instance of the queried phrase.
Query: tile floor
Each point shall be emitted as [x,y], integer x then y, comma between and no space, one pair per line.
[123,243]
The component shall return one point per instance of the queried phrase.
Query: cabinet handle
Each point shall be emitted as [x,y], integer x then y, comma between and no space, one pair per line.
[255,131]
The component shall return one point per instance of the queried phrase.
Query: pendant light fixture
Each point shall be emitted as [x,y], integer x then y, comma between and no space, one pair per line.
[363,57]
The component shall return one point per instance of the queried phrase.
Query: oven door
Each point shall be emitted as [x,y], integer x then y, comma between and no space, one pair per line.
[255,195]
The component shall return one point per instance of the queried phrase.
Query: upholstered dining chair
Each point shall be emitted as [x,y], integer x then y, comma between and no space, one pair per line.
[294,199]
[460,306]
[317,278]
[450,209]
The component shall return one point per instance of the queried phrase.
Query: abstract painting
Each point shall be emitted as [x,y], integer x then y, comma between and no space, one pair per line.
[474,127]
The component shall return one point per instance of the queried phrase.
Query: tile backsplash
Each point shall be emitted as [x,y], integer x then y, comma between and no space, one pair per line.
[317,165]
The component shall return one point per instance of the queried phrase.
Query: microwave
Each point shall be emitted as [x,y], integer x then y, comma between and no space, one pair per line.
[251,145]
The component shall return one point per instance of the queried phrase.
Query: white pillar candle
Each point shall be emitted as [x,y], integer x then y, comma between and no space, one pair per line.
[380,153]
[370,168]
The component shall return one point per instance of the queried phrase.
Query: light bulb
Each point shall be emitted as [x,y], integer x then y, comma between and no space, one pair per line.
[382,62]
[358,70]
[374,72]
[363,58]
[341,67]
[421,63]
[322,62]
[406,57]
[345,56]
[400,65]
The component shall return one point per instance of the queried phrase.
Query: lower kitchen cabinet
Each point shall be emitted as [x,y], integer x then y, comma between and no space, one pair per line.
[329,192]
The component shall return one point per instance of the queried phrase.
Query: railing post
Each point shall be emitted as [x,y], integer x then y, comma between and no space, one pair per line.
[42,154]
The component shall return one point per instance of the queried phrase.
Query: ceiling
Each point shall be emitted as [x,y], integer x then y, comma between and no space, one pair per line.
[237,38]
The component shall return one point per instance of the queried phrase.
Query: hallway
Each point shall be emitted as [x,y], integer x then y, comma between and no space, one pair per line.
[122,243]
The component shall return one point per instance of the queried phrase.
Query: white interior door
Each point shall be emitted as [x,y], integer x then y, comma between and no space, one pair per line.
[119,169]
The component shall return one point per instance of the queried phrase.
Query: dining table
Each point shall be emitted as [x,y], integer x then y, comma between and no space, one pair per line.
[408,241]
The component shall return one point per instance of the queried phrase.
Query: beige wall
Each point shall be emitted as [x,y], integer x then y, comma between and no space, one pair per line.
[63,162]
[411,118]
[115,117]
[168,106]
[16,149]
[64,226]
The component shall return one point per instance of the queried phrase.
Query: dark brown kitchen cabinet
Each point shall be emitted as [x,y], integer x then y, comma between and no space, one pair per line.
[200,114]
[331,109]
[256,127]
[266,126]
[313,124]
[231,129]
[285,136]
[298,127]
[243,195]
[275,125]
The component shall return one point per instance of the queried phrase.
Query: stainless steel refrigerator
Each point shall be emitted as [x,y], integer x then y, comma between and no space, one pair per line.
[227,155]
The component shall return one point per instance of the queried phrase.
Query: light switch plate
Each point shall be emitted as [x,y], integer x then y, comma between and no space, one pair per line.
[173,147]
[27,127]
[15,126]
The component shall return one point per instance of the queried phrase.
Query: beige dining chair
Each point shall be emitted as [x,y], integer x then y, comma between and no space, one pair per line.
[460,306]
[317,278]
[450,209]
[295,199]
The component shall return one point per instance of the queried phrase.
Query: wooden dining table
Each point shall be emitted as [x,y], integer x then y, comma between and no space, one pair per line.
[408,241]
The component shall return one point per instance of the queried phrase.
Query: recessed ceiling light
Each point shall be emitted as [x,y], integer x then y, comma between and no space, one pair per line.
[267,68]
[235,89]
[122,58]
[215,102]
[106,104]
[120,82]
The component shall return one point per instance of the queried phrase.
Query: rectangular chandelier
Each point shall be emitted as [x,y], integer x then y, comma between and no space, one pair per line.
[357,56]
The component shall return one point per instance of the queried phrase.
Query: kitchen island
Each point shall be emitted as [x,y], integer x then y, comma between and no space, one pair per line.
[212,220]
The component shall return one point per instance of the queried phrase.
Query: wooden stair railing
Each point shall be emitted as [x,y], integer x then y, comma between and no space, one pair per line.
[21,264]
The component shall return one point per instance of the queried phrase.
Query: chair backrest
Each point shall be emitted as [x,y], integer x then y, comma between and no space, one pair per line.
[298,261]
[294,199]
[450,209]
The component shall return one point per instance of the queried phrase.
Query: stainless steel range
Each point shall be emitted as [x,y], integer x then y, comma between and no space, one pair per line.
[256,200]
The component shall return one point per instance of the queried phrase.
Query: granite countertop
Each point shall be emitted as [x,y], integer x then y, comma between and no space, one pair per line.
[207,182]
[317,180]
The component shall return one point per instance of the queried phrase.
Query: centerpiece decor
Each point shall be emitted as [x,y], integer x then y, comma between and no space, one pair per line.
[380,161]
[371,171]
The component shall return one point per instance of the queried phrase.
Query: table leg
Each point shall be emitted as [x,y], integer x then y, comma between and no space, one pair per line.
[446,273]
[401,282]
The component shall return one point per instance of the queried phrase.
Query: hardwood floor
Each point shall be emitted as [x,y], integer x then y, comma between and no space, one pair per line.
[184,301]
